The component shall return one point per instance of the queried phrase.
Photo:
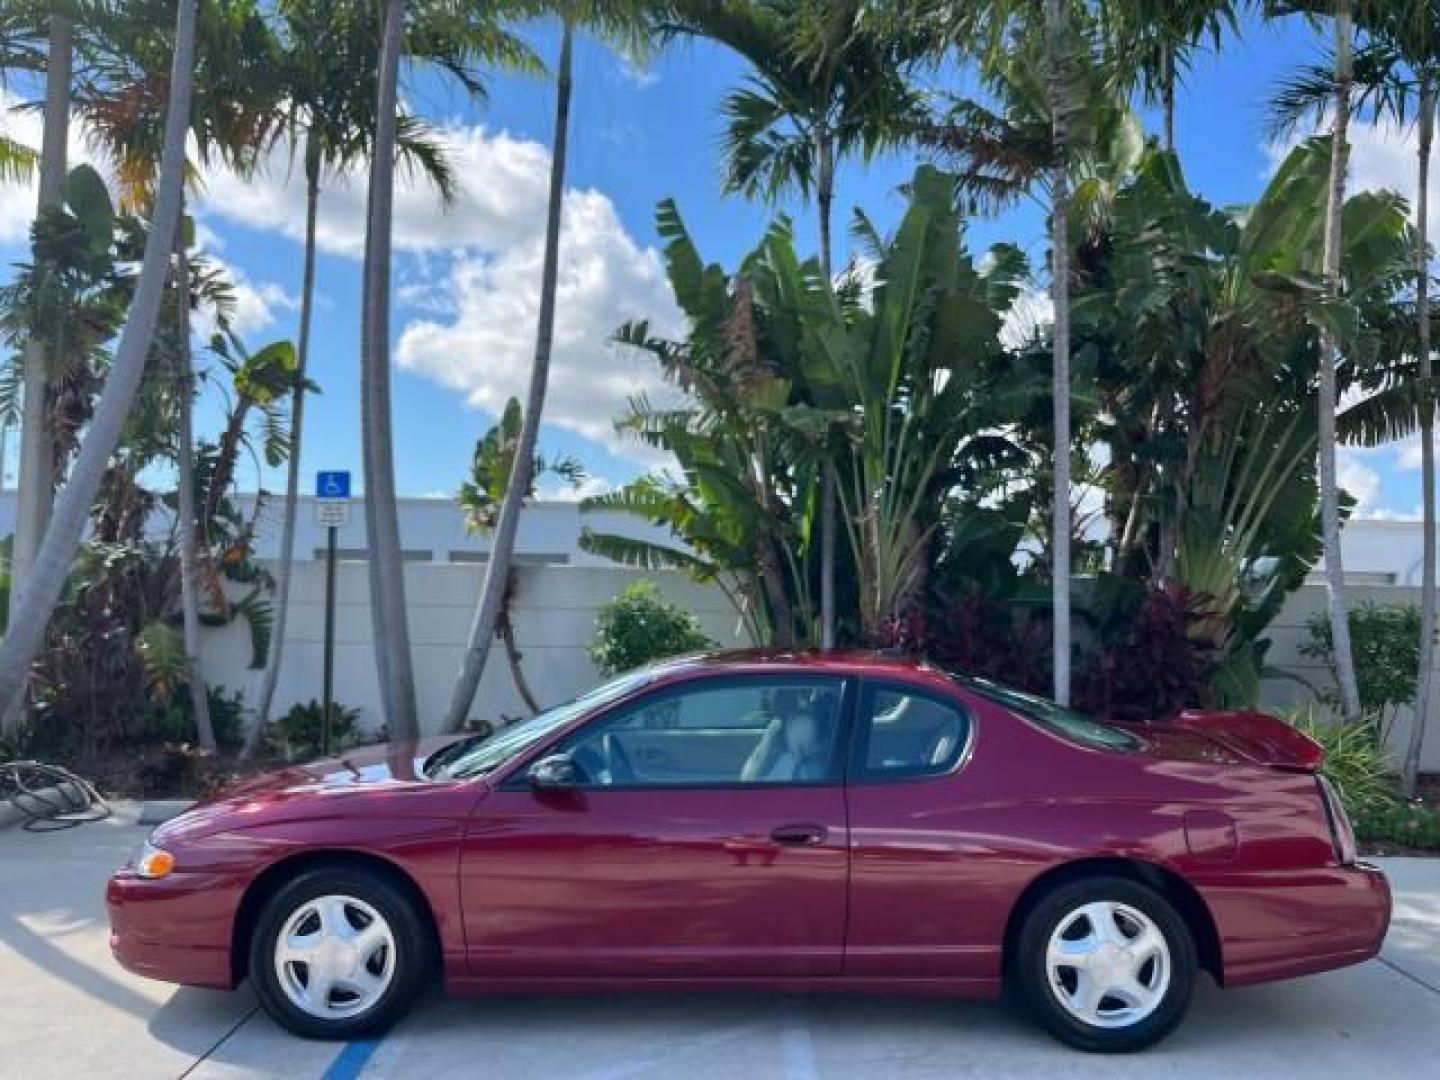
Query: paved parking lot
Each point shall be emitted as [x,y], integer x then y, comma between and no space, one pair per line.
[67,1010]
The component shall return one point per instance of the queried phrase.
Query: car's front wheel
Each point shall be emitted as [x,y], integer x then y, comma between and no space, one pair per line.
[339,952]
[1106,964]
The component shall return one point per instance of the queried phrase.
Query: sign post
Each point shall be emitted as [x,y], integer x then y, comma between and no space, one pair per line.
[332,510]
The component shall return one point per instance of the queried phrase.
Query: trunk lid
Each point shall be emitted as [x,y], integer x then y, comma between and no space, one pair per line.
[1256,737]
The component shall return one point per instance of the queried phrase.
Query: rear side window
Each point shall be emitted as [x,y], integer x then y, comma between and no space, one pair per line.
[905,733]
[1065,722]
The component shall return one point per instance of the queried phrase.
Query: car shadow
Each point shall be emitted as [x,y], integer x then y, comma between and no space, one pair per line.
[1345,1014]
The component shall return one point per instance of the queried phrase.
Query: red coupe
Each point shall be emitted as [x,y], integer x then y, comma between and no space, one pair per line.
[838,821]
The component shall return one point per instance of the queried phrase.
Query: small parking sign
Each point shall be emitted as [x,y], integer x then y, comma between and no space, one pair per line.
[332,499]
[332,485]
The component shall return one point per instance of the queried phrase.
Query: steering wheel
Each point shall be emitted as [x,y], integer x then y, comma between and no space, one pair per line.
[617,759]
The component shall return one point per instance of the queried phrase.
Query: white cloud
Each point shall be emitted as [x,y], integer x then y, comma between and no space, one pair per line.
[637,73]
[17,201]
[1032,311]
[1382,158]
[500,202]
[484,345]
[471,286]
[1359,480]
[257,306]
[587,489]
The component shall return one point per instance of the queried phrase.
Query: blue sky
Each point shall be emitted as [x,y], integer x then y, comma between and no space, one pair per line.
[466,280]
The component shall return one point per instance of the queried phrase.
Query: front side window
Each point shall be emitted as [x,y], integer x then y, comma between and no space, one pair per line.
[906,733]
[740,731]
[478,757]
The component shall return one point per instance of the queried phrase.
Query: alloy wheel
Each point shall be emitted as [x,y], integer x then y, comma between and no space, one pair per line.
[335,957]
[1108,964]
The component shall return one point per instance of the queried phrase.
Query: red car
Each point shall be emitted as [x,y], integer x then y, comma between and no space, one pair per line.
[842,821]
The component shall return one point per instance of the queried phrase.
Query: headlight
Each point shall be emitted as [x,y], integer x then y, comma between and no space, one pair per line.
[154,862]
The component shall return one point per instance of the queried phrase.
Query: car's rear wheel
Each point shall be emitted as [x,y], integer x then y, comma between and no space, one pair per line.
[339,952]
[1106,964]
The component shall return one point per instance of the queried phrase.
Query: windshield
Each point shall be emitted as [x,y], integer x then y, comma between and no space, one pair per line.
[477,757]
[1067,723]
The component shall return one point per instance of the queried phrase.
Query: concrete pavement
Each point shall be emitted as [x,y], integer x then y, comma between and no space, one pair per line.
[66,1009]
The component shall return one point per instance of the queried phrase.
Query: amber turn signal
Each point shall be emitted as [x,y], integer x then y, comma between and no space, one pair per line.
[154,862]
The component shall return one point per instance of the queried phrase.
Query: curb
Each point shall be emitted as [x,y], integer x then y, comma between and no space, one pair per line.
[44,802]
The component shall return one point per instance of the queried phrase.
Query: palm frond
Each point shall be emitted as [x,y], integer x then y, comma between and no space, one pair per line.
[1389,414]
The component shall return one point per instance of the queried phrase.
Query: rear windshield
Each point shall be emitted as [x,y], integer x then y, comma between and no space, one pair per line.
[1065,722]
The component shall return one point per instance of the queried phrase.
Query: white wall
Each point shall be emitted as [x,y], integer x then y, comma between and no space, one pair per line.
[554,615]
[431,529]
[1289,631]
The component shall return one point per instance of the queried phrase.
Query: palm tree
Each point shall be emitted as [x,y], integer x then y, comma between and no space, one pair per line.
[1056,113]
[1329,486]
[185,501]
[1058,45]
[36,480]
[1399,69]
[1150,44]
[620,22]
[826,82]
[1429,71]
[481,497]
[234,114]
[327,66]
[382,524]
[38,596]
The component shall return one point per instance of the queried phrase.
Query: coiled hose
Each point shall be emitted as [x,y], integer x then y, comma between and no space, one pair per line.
[50,797]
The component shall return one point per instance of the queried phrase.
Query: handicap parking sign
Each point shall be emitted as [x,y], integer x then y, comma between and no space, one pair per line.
[332,485]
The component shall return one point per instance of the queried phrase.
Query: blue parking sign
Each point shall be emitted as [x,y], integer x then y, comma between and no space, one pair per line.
[332,485]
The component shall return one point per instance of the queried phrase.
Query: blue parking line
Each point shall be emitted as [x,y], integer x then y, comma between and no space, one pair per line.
[351,1061]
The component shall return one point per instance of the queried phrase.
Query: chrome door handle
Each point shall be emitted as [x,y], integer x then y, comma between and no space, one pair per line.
[799,834]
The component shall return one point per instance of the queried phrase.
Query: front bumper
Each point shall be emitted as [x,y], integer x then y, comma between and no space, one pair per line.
[1297,922]
[177,929]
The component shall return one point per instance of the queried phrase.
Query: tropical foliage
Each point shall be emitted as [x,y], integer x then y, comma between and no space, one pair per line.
[883,446]
[482,497]
[639,626]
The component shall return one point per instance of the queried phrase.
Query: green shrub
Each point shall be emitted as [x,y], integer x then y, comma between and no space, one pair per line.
[173,722]
[1411,824]
[640,625]
[297,735]
[1385,642]
[1356,764]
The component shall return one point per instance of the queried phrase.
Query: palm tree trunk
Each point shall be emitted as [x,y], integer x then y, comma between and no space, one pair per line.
[38,594]
[828,512]
[35,484]
[497,570]
[1055,40]
[185,501]
[285,571]
[1167,96]
[1329,486]
[227,455]
[387,569]
[1410,768]
[825,197]
[517,674]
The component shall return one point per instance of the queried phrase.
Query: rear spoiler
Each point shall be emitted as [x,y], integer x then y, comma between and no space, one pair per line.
[1257,737]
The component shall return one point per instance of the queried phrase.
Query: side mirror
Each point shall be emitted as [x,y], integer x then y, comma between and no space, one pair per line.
[554,773]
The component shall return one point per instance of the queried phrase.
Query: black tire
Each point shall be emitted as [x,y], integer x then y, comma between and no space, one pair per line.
[1033,981]
[414,958]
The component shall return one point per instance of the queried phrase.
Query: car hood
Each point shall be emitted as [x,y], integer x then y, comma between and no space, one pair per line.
[395,764]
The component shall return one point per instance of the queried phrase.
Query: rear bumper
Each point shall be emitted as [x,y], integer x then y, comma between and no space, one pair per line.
[177,929]
[1298,922]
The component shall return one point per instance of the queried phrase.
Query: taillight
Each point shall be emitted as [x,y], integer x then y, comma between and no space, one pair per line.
[1342,834]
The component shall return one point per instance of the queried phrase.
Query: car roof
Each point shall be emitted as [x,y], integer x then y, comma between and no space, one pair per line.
[835,661]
